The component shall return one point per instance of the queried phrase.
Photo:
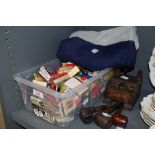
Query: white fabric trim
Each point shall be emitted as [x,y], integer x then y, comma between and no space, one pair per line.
[108,37]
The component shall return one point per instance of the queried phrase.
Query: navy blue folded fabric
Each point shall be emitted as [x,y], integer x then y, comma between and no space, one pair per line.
[97,57]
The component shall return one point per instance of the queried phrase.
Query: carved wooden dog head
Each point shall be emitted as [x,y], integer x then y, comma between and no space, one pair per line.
[124,89]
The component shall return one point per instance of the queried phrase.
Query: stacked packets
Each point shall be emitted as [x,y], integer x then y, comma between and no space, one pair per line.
[63,78]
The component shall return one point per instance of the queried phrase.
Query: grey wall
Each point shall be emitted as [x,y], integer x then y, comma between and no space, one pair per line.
[24,47]
[147,42]
[34,45]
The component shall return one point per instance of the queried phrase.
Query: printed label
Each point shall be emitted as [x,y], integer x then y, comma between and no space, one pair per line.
[124,77]
[106,114]
[45,71]
[38,93]
[40,114]
[85,101]
[43,75]
[94,51]
[35,111]
[102,90]
[87,93]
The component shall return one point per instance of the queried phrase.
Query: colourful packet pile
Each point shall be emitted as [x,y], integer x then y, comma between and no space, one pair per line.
[63,78]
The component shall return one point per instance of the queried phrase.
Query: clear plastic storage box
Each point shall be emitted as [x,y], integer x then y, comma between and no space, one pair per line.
[60,108]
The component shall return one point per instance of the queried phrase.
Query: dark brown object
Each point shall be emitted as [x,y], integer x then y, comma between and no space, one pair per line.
[87,114]
[124,89]
[103,120]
